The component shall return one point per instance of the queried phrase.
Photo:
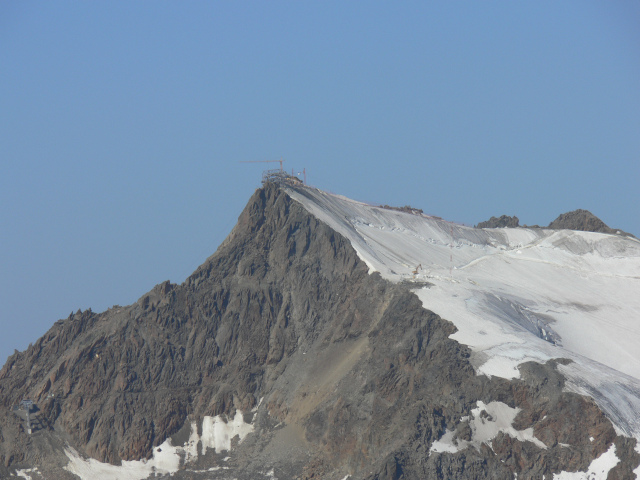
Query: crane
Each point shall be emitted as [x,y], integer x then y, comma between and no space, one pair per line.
[265,161]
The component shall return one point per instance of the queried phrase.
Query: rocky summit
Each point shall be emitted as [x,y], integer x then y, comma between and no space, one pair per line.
[295,352]
[580,220]
[503,221]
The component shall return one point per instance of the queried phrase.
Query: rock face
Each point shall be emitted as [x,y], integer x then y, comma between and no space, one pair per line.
[582,220]
[502,222]
[344,373]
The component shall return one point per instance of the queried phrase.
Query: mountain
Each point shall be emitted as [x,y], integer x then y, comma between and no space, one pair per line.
[307,347]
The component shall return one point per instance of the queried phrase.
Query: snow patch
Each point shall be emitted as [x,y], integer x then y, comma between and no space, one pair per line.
[486,421]
[217,434]
[448,444]
[191,447]
[212,469]
[166,460]
[255,409]
[598,469]
[24,473]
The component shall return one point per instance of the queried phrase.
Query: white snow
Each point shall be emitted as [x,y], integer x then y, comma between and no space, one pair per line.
[24,473]
[255,409]
[598,469]
[485,428]
[501,419]
[515,294]
[216,434]
[91,469]
[446,443]
[212,469]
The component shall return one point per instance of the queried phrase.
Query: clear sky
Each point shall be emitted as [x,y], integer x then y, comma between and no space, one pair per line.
[122,125]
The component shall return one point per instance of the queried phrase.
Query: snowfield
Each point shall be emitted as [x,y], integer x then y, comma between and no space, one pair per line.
[500,418]
[217,434]
[515,294]
[598,470]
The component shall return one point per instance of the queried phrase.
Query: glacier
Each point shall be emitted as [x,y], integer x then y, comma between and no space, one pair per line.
[514,294]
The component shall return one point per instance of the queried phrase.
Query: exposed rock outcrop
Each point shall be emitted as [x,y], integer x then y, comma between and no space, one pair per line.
[582,220]
[502,222]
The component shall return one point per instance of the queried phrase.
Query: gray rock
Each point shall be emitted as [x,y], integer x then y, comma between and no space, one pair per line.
[502,222]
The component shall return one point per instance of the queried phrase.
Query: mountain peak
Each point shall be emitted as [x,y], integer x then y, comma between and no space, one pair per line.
[582,220]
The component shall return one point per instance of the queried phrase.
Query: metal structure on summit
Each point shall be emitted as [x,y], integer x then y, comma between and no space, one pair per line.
[304,175]
[279,175]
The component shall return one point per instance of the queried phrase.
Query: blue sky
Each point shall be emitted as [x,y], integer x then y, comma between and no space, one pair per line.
[122,125]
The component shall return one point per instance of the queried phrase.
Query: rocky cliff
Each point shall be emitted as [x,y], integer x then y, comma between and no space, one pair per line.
[337,371]
[581,220]
[502,222]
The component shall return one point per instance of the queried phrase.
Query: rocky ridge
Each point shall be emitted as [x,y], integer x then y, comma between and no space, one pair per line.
[347,374]
[581,220]
[503,222]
